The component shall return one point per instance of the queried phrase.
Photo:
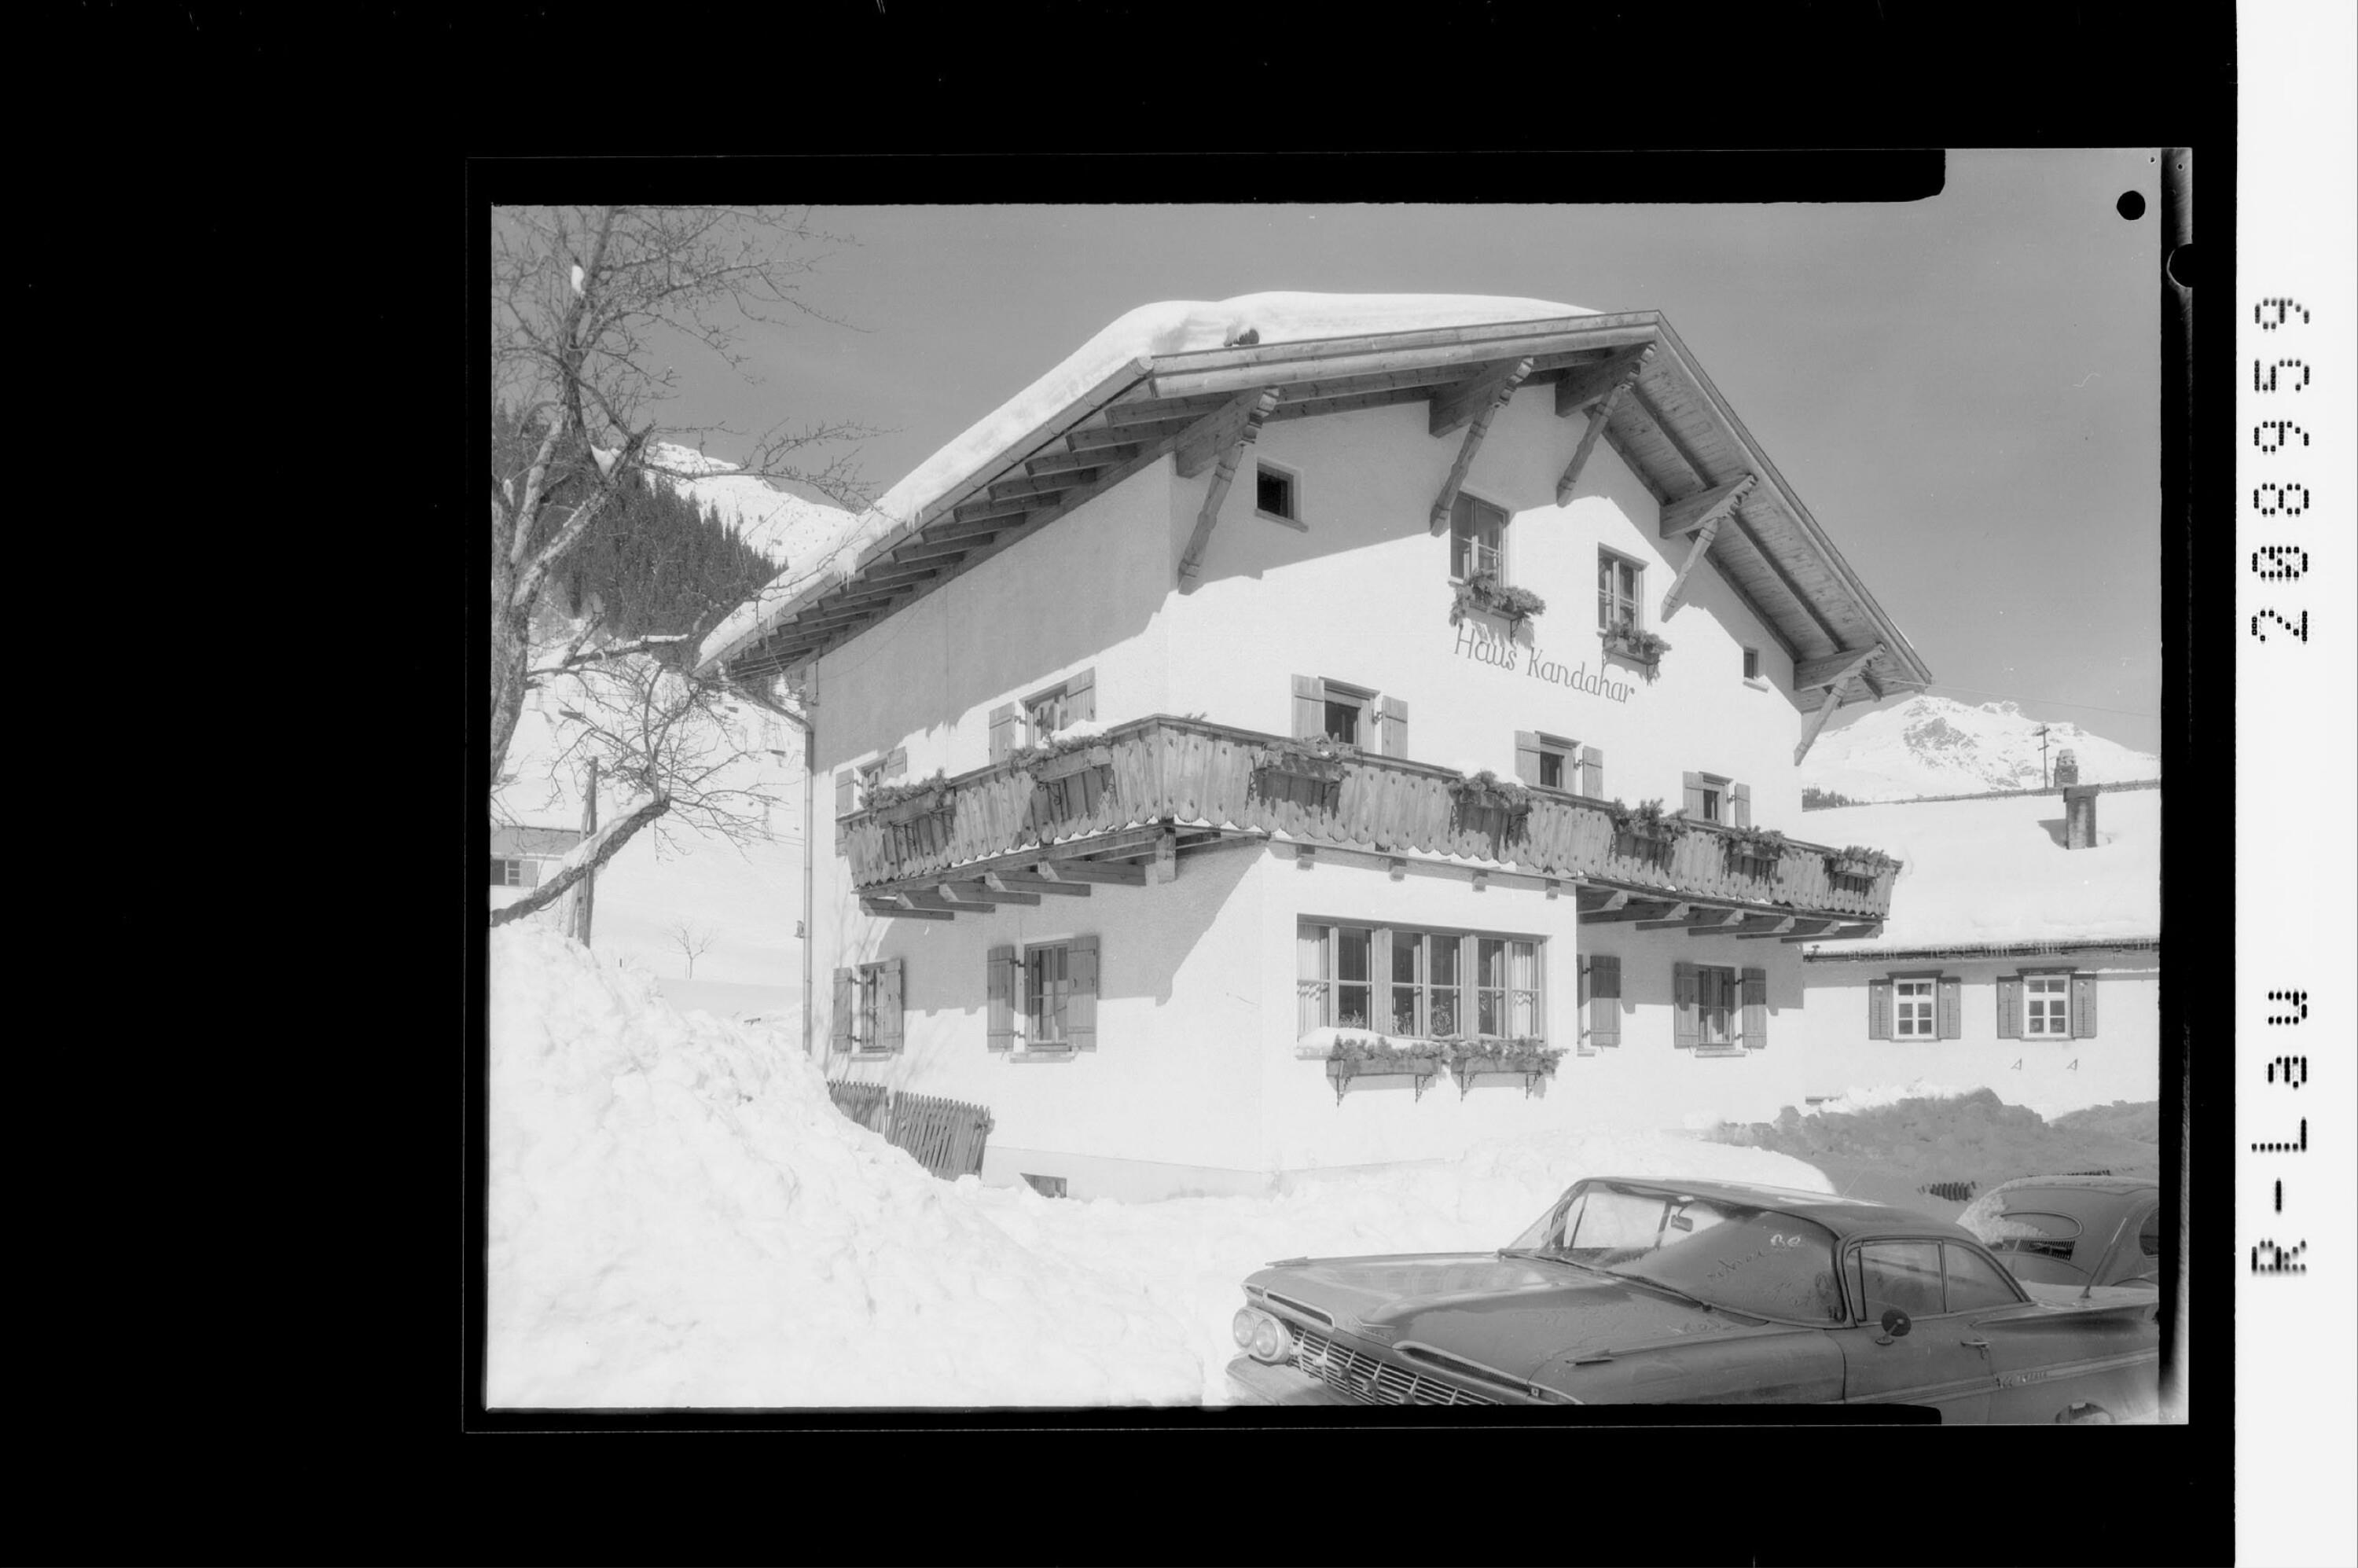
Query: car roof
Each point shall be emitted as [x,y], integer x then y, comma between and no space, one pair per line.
[1848,1218]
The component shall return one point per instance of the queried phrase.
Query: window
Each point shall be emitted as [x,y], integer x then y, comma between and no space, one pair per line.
[1903,1274]
[1552,768]
[1619,587]
[1274,492]
[1478,538]
[1415,983]
[1912,1016]
[868,1008]
[1553,763]
[2046,1006]
[507,873]
[1705,1000]
[1043,997]
[1600,978]
[1041,716]
[1975,1282]
[1342,720]
[1714,1005]
[1751,664]
[1711,798]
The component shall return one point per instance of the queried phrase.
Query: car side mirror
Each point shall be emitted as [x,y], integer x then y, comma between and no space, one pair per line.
[1896,1324]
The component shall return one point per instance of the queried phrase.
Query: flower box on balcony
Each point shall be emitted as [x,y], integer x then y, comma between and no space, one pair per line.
[1319,760]
[1485,791]
[1855,862]
[1533,1062]
[1354,1060]
[1071,763]
[899,803]
[931,802]
[1756,852]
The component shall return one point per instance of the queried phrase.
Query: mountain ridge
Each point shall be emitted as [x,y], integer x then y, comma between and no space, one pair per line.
[1935,745]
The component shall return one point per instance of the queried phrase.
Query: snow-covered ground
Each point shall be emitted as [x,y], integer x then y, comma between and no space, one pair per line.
[680,1216]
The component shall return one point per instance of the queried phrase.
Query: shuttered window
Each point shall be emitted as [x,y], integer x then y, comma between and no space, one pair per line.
[2084,1007]
[1547,761]
[867,1017]
[1058,1003]
[2009,1006]
[1601,978]
[1879,1009]
[1684,990]
[999,989]
[1592,772]
[1058,708]
[1754,994]
[1951,1008]
[2046,1007]
[1912,1008]
[1002,732]
[1710,798]
[515,873]
[1350,714]
[1392,715]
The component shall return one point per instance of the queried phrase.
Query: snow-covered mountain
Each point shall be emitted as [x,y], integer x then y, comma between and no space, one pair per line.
[796,533]
[1931,745]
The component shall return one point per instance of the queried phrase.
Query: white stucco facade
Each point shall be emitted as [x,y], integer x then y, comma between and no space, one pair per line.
[1197,1083]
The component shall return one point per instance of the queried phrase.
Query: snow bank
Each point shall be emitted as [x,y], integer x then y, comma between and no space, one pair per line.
[1170,326]
[680,1216]
[1977,871]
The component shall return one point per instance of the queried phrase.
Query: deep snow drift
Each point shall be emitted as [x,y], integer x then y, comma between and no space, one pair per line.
[679,1216]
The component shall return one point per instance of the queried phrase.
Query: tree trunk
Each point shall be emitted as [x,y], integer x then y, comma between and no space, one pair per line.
[601,849]
[511,657]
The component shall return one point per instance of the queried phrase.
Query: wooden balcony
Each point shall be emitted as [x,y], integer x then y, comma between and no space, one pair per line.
[1156,787]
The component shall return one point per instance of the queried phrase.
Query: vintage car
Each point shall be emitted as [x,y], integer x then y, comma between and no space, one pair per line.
[2073,1230]
[1630,1291]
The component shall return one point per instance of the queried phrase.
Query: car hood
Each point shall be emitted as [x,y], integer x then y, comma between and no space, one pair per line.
[1512,1315]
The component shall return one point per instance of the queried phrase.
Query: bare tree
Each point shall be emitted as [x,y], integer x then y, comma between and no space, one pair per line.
[586,303]
[692,940]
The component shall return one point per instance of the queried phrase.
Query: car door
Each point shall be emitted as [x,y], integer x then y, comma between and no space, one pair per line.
[1940,1361]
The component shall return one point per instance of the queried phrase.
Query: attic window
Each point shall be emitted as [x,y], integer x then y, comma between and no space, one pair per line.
[1274,492]
[1751,664]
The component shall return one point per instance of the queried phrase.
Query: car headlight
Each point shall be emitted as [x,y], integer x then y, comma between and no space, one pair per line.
[1262,1337]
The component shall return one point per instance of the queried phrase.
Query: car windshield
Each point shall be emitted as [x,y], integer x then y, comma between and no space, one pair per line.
[1749,1259]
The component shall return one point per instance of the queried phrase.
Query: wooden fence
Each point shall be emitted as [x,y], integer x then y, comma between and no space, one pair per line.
[944,1136]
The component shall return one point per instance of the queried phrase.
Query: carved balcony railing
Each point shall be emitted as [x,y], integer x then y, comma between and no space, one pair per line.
[1163,769]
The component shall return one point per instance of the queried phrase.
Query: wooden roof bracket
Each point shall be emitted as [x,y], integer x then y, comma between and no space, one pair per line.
[1229,431]
[1716,506]
[1802,677]
[1491,394]
[1611,381]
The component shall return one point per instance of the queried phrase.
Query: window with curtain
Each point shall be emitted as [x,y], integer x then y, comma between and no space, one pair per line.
[1419,983]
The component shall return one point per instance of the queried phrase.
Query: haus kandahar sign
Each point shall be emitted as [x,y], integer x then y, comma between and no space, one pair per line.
[1484,646]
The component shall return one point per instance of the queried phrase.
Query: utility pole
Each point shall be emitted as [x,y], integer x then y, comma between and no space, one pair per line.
[587,888]
[2041,733]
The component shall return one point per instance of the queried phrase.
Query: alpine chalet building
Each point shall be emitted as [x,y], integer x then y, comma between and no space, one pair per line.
[1309,731]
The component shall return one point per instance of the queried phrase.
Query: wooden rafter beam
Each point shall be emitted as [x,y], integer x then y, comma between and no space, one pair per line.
[1064,462]
[1833,669]
[889,911]
[1702,921]
[1456,404]
[1144,410]
[1676,595]
[1495,391]
[979,511]
[1839,934]
[1817,721]
[923,549]
[1215,435]
[1247,430]
[977,893]
[1648,909]
[1749,925]
[1087,872]
[1802,925]
[1611,381]
[1706,507]
[1593,900]
[1032,485]
[1095,438]
[1016,881]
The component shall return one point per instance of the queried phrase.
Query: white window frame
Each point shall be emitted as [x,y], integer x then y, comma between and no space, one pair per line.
[1752,667]
[511,871]
[1466,986]
[1718,795]
[1473,506]
[1342,694]
[1609,598]
[1293,477]
[1905,996]
[2053,987]
[1031,730]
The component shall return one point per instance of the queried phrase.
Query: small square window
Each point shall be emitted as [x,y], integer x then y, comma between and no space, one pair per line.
[2047,1006]
[1912,1010]
[1343,722]
[507,873]
[1551,769]
[1751,664]
[1274,491]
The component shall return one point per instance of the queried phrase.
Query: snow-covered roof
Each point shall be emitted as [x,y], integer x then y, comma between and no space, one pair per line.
[1129,395]
[1994,873]
[1124,352]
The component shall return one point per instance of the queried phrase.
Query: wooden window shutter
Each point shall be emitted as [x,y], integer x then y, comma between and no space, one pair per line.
[888,1006]
[530,877]
[1000,988]
[1394,714]
[1309,708]
[1684,989]
[2084,1007]
[844,804]
[1756,1009]
[847,992]
[1879,1009]
[1081,1001]
[2009,1006]
[1693,783]
[1527,756]
[1604,1000]
[1002,731]
[1951,1009]
[1081,696]
[897,764]
[1592,772]
[1740,799]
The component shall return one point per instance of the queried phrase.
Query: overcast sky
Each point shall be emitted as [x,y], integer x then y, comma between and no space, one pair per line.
[1962,390]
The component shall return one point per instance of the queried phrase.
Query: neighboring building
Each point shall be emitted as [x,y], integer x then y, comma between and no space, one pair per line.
[2023,951]
[1219,553]
[521,856]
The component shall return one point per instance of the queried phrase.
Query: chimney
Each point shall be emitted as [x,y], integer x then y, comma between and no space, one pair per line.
[2080,817]
[2067,767]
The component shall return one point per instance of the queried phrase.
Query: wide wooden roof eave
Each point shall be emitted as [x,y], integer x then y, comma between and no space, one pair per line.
[1398,366]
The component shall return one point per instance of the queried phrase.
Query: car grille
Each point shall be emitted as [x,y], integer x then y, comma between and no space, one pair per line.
[1371,1381]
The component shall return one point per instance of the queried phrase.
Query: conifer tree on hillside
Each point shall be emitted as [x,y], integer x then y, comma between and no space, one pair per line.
[589,305]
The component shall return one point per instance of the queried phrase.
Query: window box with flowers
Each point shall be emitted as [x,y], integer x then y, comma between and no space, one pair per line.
[1647,826]
[1628,640]
[1763,847]
[1857,860]
[1319,759]
[1485,594]
[1061,757]
[1374,1057]
[1485,791]
[1530,1059]
[904,803]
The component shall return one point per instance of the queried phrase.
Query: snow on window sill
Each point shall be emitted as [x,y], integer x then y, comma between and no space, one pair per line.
[1043,1053]
[1756,683]
[1719,1050]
